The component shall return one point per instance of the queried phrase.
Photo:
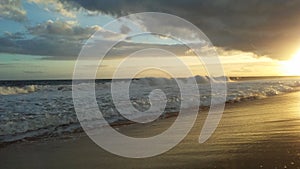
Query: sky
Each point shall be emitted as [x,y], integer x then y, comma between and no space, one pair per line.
[41,39]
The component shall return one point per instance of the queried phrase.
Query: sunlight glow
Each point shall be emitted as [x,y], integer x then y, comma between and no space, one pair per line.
[292,66]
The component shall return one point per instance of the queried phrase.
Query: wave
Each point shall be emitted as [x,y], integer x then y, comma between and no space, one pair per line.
[153,81]
[150,81]
[4,90]
[238,91]
[50,110]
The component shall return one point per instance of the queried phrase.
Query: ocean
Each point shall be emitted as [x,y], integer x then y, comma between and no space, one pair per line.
[44,108]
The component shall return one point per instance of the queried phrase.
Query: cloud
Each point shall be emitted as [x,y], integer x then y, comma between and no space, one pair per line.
[65,9]
[33,72]
[69,29]
[124,49]
[59,39]
[6,65]
[12,10]
[51,38]
[63,40]
[39,46]
[263,27]
[125,29]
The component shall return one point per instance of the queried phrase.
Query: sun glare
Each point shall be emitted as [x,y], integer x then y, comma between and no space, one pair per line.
[292,66]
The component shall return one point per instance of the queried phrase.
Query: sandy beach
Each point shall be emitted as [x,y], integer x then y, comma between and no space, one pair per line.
[132,84]
[261,133]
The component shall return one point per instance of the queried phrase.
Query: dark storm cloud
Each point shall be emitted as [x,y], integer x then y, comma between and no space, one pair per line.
[263,27]
[63,40]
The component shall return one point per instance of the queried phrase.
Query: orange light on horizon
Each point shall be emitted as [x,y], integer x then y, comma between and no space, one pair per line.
[292,66]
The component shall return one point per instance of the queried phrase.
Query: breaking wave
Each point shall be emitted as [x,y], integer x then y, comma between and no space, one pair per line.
[47,110]
[4,90]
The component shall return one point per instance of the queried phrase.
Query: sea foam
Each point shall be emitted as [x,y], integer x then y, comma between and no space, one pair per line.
[6,90]
[42,110]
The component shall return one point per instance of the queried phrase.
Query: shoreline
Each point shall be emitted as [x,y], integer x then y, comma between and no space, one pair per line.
[116,125]
[123,124]
[262,133]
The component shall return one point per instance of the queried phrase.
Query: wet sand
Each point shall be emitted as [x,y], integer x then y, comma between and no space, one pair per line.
[253,134]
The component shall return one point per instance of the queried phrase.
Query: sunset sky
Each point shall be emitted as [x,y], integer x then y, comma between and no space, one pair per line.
[41,39]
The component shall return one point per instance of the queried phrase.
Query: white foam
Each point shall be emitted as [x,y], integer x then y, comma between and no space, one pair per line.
[17,90]
[44,108]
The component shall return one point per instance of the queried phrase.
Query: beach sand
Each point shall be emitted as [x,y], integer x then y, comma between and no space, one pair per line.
[261,133]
